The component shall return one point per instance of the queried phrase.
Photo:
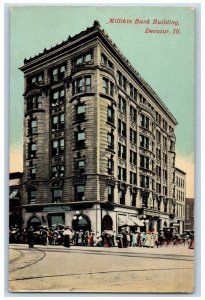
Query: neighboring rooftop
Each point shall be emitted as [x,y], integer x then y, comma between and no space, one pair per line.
[97,28]
[180,171]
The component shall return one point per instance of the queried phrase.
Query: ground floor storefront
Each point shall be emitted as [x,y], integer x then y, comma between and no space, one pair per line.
[95,217]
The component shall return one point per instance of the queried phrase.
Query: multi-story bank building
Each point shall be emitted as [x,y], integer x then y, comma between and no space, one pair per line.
[99,144]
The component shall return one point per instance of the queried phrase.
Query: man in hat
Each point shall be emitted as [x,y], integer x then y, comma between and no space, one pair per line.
[67,236]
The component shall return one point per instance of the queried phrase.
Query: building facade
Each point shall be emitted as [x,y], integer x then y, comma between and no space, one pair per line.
[180,196]
[99,144]
[15,199]
[189,214]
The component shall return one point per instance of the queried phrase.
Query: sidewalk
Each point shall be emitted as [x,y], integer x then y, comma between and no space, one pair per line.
[164,250]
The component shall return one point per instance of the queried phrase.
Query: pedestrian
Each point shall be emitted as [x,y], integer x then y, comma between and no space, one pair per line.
[67,236]
[139,244]
[152,239]
[124,240]
[134,239]
[30,237]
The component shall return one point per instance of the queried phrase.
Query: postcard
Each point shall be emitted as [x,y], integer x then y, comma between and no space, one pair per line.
[101,183]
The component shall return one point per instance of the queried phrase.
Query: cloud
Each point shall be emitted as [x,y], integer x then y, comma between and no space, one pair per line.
[186,164]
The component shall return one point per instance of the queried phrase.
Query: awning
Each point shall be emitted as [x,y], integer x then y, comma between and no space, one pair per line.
[122,220]
[125,221]
[14,194]
[130,222]
[137,221]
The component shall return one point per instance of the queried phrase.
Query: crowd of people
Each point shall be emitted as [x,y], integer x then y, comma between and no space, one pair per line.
[64,235]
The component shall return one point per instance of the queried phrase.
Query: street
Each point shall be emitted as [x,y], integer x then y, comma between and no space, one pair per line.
[52,268]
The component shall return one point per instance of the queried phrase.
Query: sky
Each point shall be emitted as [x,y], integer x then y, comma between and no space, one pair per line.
[165,61]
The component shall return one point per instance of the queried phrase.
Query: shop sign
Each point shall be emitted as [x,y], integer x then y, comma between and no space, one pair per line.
[53,208]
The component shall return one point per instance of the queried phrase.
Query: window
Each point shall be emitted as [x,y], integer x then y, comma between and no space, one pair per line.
[172,146]
[57,171]
[57,147]
[121,174]
[80,165]
[158,136]
[164,190]
[119,78]
[164,142]
[133,114]
[32,150]
[105,61]
[32,126]
[56,195]
[165,207]
[158,188]
[58,73]
[121,151]
[164,125]
[34,102]
[110,115]
[122,81]
[32,172]
[133,136]
[110,193]
[158,118]
[122,104]
[131,90]
[158,153]
[79,192]
[32,195]
[121,128]
[165,158]
[57,97]
[133,157]
[107,87]
[110,140]
[80,139]
[83,58]
[144,181]
[144,121]
[165,174]
[133,199]
[36,79]
[144,142]
[110,167]
[80,112]
[144,162]
[57,122]
[158,171]
[82,84]
[122,196]
[133,178]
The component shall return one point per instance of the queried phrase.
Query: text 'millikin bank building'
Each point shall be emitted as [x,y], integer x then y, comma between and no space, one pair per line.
[99,144]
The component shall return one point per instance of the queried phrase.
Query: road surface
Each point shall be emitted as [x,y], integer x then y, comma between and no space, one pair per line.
[166,269]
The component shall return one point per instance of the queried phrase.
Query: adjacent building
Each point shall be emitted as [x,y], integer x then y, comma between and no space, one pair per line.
[180,196]
[189,214]
[15,199]
[99,144]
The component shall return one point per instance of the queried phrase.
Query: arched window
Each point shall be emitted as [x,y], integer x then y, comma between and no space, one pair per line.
[34,222]
[107,223]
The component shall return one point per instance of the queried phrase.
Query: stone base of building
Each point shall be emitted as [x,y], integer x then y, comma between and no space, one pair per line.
[94,216]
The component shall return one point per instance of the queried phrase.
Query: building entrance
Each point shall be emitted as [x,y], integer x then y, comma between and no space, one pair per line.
[34,222]
[81,222]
